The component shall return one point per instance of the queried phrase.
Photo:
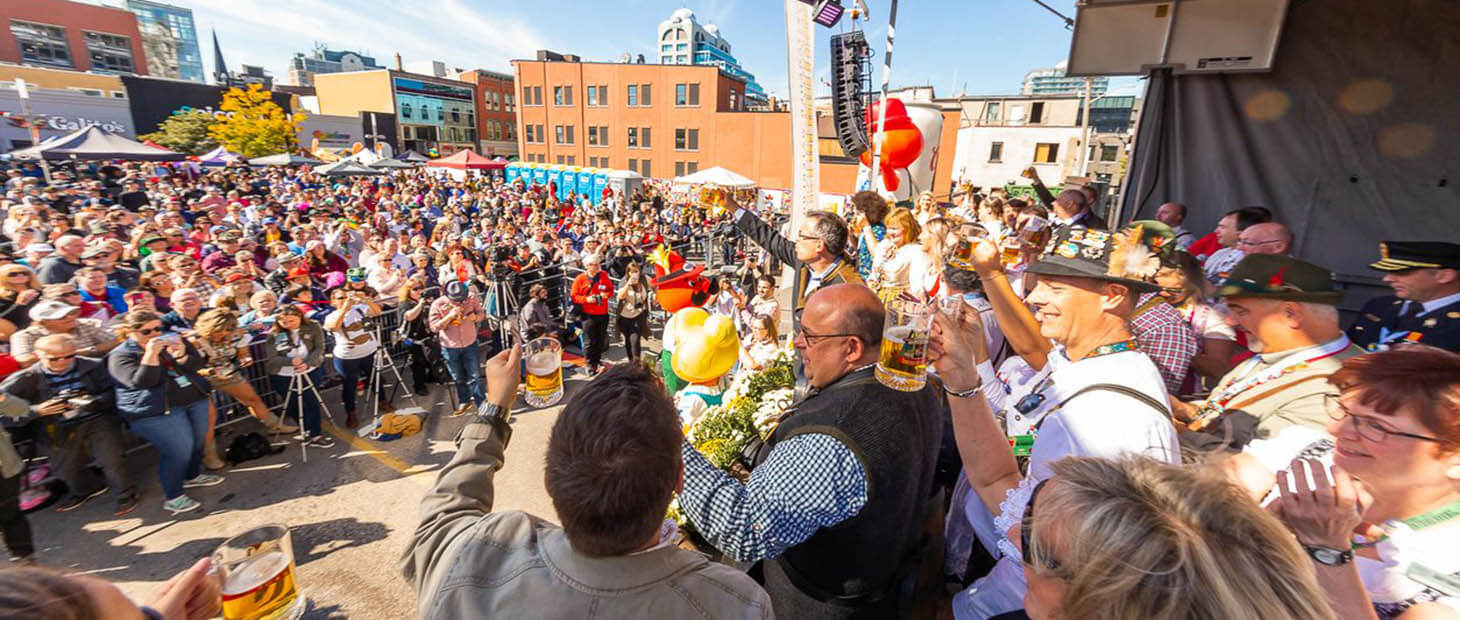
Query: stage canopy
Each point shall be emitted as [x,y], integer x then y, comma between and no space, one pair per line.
[94,143]
[348,169]
[716,176]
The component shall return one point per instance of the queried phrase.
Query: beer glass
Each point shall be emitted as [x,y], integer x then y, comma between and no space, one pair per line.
[256,570]
[903,364]
[544,360]
[969,236]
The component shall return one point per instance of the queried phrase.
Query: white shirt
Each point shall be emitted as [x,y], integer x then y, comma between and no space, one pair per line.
[1208,321]
[1221,262]
[907,268]
[1099,423]
[1184,238]
[1432,305]
[353,327]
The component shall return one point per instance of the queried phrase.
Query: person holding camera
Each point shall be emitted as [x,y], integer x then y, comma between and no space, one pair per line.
[454,320]
[415,299]
[296,348]
[165,401]
[75,396]
[355,344]
[591,291]
[633,306]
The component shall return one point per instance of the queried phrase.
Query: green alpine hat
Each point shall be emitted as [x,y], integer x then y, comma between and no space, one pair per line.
[1271,276]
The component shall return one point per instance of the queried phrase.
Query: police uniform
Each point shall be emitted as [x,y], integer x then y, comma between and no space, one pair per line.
[1389,320]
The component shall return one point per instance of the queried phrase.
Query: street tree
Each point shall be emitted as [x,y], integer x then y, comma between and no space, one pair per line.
[186,131]
[253,125]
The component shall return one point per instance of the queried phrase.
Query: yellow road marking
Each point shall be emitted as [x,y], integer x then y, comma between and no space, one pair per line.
[368,449]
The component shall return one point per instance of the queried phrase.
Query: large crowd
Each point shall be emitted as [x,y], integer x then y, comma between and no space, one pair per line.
[1119,422]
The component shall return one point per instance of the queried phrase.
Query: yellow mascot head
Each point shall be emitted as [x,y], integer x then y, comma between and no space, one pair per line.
[707,345]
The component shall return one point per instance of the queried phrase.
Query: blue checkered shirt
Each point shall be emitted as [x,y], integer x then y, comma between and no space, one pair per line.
[808,482]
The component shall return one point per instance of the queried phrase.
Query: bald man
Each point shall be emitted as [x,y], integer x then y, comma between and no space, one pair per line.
[836,494]
[1173,214]
[1266,238]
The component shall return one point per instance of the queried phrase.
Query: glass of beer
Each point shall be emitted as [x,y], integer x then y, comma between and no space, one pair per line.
[256,570]
[969,237]
[903,364]
[544,360]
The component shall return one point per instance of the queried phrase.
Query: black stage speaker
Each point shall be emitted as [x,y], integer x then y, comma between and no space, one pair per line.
[851,85]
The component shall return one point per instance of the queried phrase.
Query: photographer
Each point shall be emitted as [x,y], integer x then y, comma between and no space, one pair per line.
[536,317]
[454,320]
[415,299]
[355,344]
[165,401]
[296,347]
[75,395]
[592,290]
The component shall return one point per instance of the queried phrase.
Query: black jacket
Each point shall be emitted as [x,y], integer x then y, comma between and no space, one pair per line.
[31,384]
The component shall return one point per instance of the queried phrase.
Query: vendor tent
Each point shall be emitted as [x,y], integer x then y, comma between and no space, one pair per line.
[364,156]
[284,159]
[393,163]
[467,160]
[413,156]
[347,169]
[219,157]
[94,143]
[715,176]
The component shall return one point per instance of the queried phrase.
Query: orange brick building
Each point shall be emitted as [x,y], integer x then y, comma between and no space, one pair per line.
[496,111]
[71,35]
[664,121]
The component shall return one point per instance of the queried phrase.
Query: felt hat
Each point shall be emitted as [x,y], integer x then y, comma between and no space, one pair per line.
[1272,276]
[707,345]
[1404,255]
[1130,256]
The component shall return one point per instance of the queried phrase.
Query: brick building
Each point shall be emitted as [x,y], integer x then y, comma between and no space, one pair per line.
[59,34]
[496,111]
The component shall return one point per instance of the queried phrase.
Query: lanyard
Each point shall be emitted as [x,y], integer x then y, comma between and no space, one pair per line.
[1429,519]
[1218,402]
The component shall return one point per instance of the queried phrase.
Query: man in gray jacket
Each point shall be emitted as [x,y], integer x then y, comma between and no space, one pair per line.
[613,462]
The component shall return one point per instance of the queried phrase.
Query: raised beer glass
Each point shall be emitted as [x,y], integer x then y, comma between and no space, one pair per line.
[256,570]
[903,364]
[544,361]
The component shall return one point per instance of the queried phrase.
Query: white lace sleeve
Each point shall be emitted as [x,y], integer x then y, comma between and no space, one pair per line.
[1011,511]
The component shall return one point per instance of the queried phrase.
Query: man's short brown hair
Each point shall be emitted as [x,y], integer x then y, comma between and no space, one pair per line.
[613,461]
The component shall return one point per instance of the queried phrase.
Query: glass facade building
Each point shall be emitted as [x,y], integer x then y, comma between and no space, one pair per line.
[179,21]
[683,41]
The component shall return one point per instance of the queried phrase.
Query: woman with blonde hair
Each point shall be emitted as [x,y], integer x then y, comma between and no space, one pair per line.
[899,260]
[224,345]
[19,291]
[937,240]
[1136,538]
[926,208]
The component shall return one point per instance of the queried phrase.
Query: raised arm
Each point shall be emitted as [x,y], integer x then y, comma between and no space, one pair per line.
[766,237]
[1020,328]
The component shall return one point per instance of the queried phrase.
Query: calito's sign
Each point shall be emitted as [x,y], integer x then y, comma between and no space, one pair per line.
[64,124]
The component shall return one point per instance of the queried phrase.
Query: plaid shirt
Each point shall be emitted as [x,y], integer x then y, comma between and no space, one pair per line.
[1166,337]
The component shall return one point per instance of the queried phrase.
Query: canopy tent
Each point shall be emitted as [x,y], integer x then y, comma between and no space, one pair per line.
[716,176]
[386,164]
[413,156]
[94,143]
[219,157]
[284,159]
[348,168]
[364,156]
[467,160]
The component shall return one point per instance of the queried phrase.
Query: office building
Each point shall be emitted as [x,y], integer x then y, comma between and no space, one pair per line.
[413,111]
[1001,135]
[663,121]
[171,40]
[683,41]
[1053,81]
[496,111]
[60,34]
[303,67]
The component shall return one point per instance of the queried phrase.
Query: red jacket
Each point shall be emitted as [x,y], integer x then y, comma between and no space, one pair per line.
[602,286]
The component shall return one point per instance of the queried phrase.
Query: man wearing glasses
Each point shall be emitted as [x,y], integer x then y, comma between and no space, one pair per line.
[1288,309]
[1266,238]
[1425,306]
[818,252]
[76,395]
[835,499]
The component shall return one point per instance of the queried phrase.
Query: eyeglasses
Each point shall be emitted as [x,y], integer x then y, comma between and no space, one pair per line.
[1255,243]
[806,237]
[148,331]
[1367,427]
[1026,533]
[58,358]
[14,274]
[810,338]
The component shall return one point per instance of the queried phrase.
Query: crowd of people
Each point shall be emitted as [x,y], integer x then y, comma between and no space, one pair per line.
[1118,422]
[136,299]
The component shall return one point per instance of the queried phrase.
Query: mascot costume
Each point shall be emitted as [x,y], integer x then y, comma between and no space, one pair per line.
[707,350]
[677,285]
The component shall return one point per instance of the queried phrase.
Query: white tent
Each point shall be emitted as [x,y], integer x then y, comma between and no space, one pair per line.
[365,156]
[715,176]
[624,182]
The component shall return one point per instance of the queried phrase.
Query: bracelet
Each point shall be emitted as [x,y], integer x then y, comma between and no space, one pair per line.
[965,393]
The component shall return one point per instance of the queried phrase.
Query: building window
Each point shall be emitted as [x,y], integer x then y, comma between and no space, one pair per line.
[1108,152]
[1046,152]
[996,152]
[527,135]
[592,133]
[560,160]
[592,100]
[558,134]
[681,96]
[1036,112]
[633,141]
[405,110]
[603,94]
[644,138]
[732,100]
[679,169]
[644,92]
[537,95]
[570,160]
[991,111]
[455,116]
[686,139]
[570,134]
[691,167]
[644,168]
[633,98]
[109,52]
[634,165]
[694,94]
[602,135]
[679,139]
[41,44]
[510,102]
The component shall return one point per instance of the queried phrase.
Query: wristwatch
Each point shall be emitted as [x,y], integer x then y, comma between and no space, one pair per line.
[492,413]
[1328,556]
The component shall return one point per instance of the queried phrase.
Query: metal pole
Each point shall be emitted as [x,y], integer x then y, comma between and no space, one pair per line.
[1085,132]
[882,108]
[30,121]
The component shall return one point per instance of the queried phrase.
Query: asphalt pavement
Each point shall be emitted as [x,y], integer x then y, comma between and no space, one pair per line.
[351,510]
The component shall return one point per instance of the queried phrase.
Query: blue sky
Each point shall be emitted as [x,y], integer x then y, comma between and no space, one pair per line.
[974,46]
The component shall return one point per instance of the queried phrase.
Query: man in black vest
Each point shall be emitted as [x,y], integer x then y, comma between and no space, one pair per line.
[836,505]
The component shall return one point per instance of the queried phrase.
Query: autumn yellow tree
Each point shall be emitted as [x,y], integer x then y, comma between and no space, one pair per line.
[254,125]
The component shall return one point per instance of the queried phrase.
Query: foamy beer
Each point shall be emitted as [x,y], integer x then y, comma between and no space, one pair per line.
[903,364]
[256,569]
[1034,234]
[969,236]
[712,197]
[544,361]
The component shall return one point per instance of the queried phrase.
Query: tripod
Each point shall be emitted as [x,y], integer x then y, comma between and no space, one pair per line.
[505,309]
[376,375]
[298,385]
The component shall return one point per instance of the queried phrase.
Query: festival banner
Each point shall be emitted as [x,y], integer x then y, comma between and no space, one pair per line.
[800,69]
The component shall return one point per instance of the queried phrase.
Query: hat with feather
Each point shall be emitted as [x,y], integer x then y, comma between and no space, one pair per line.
[1129,256]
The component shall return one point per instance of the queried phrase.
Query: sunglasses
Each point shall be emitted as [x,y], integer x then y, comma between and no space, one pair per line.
[1026,525]
[14,274]
[148,331]
[59,358]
